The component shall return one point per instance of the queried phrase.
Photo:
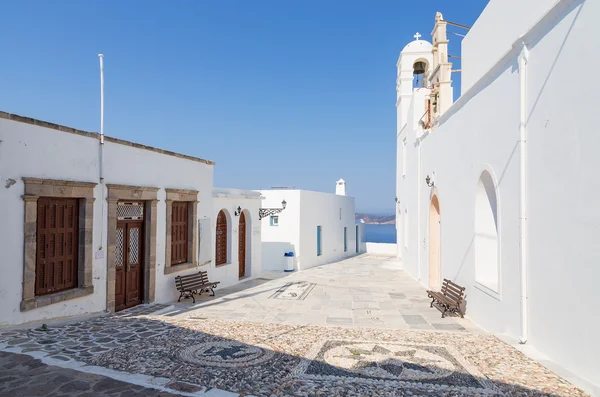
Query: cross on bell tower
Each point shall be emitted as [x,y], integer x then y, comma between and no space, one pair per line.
[417,35]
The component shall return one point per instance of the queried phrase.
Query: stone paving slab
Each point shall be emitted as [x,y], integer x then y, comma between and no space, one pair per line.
[25,376]
[358,288]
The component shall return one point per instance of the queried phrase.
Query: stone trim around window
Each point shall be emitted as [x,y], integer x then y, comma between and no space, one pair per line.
[191,196]
[84,191]
[148,195]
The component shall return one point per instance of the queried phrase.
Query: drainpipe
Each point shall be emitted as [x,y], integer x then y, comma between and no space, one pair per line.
[523,58]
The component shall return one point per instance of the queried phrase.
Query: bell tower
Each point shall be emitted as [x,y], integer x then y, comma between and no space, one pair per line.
[414,68]
[441,74]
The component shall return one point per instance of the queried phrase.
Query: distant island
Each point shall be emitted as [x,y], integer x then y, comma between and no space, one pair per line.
[376,219]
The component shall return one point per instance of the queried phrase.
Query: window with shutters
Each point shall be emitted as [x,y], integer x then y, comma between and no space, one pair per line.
[57,245]
[179,233]
[221,239]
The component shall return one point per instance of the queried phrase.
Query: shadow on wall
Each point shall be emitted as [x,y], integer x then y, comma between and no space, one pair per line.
[272,255]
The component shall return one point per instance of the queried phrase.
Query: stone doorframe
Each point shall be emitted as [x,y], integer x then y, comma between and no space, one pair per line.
[191,197]
[84,192]
[148,195]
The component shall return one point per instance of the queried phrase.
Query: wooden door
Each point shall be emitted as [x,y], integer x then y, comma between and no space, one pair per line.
[242,246]
[129,263]
[434,244]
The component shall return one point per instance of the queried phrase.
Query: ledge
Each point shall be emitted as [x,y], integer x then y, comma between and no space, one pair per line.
[128,187]
[180,267]
[58,182]
[184,191]
[46,300]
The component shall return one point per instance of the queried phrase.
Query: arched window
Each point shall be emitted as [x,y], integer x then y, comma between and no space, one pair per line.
[487,263]
[221,239]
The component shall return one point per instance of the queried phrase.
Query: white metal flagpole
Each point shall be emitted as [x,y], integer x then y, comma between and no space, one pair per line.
[100,254]
[101,98]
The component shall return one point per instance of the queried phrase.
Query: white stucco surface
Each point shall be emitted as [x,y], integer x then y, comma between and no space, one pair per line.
[297,228]
[481,132]
[382,249]
[33,151]
[229,200]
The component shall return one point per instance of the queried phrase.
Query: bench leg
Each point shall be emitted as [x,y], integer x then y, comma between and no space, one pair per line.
[180,295]
[432,301]
[444,312]
[212,290]
[193,298]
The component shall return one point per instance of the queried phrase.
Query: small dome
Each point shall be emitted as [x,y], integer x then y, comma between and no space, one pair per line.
[418,46]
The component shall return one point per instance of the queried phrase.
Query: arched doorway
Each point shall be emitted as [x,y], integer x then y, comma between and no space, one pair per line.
[221,239]
[434,243]
[242,245]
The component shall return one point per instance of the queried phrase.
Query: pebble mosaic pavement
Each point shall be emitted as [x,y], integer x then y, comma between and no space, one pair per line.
[261,339]
[294,360]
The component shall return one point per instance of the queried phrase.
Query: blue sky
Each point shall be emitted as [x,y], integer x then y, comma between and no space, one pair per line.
[297,93]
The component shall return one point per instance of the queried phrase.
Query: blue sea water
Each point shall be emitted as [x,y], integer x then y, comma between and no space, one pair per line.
[380,233]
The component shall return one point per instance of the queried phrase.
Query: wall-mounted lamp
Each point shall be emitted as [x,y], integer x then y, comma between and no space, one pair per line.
[264,212]
[396,199]
[238,211]
[430,180]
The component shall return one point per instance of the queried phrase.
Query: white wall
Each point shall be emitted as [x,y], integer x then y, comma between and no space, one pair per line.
[500,24]
[297,230]
[481,132]
[323,209]
[32,151]
[563,145]
[229,200]
[277,240]
[382,249]
[139,167]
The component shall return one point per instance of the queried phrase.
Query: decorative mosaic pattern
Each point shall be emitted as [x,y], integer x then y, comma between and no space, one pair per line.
[119,248]
[262,359]
[130,211]
[226,354]
[380,361]
[293,291]
[134,245]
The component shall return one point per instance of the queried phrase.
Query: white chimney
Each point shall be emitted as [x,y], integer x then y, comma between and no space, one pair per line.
[340,187]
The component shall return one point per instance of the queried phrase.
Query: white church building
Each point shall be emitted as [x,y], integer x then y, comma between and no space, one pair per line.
[495,191]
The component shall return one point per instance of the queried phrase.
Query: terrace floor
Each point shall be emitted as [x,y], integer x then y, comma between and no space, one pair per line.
[360,327]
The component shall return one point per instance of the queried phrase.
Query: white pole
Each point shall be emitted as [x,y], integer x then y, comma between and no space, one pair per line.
[101,162]
[101,98]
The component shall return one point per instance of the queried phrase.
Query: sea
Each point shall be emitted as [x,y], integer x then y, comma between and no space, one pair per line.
[380,233]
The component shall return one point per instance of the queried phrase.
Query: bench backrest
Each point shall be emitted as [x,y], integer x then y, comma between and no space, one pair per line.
[182,282]
[452,290]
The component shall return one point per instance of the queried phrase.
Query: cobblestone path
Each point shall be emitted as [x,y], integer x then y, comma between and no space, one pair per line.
[24,376]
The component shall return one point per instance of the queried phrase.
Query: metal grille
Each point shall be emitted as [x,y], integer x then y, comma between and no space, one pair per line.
[133,211]
[134,245]
[119,248]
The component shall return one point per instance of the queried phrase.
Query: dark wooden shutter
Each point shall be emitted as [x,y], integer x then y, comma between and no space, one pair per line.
[57,245]
[221,245]
[179,233]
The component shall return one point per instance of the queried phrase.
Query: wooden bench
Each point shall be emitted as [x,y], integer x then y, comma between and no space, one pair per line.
[194,284]
[449,299]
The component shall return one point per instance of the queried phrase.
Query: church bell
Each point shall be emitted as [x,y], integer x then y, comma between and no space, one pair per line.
[419,67]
